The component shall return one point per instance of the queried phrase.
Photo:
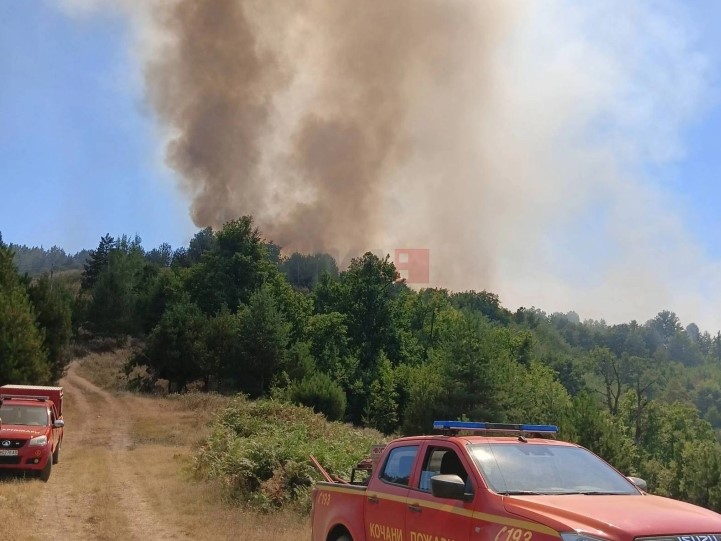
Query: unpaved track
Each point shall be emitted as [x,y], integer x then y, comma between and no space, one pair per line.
[99,490]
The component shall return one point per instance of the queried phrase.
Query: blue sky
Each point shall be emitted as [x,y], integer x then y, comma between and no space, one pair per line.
[78,153]
[81,155]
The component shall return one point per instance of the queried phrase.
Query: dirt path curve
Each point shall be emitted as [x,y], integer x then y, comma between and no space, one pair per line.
[99,490]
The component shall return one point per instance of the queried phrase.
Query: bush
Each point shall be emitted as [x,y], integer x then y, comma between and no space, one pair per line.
[259,450]
[322,394]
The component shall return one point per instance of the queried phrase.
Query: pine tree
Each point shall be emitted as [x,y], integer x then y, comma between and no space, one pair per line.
[22,357]
[97,261]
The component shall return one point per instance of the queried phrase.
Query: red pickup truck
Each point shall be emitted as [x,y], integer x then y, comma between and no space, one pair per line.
[519,487]
[31,428]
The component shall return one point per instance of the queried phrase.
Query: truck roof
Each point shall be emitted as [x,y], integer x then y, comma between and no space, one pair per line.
[464,440]
[31,387]
[26,402]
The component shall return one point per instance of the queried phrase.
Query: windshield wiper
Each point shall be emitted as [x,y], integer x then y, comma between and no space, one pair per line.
[562,493]
[601,493]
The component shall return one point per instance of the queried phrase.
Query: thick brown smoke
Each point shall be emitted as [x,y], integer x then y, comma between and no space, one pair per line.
[297,112]
[507,137]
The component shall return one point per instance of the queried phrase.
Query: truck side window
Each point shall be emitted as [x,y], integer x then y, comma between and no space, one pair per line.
[399,465]
[442,461]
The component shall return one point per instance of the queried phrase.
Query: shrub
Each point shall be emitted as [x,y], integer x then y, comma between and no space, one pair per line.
[259,450]
[322,394]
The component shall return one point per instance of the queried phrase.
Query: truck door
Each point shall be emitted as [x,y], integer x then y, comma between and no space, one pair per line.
[55,431]
[387,493]
[428,517]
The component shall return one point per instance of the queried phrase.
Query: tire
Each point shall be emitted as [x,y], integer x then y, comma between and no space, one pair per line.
[343,537]
[45,472]
[56,454]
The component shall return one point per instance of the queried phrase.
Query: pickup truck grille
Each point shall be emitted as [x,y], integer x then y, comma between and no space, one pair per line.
[690,537]
[9,460]
[12,444]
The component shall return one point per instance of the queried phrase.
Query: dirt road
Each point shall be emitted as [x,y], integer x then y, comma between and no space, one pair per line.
[121,476]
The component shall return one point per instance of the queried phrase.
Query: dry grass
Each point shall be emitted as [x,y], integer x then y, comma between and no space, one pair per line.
[105,369]
[124,471]
[18,504]
[198,510]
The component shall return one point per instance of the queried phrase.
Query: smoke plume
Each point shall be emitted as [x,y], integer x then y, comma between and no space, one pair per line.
[298,112]
[511,139]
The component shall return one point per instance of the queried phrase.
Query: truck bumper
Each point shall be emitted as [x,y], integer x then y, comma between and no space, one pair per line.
[28,458]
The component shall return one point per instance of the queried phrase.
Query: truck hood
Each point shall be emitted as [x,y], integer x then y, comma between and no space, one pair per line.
[615,516]
[21,431]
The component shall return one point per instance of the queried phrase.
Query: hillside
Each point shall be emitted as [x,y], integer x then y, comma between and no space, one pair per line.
[227,313]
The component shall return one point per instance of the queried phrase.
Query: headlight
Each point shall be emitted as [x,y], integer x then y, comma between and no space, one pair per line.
[579,536]
[39,440]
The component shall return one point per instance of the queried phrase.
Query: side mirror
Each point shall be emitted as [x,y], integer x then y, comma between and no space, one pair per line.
[449,486]
[59,423]
[640,483]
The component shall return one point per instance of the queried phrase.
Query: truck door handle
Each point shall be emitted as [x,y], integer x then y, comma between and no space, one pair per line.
[414,507]
[373,499]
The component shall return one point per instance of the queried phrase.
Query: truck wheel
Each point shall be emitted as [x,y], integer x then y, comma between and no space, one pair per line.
[45,472]
[56,454]
[343,537]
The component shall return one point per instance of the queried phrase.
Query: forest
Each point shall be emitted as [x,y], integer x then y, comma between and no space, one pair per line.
[230,314]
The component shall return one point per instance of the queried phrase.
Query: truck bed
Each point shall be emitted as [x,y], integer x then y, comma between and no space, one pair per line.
[336,503]
[54,394]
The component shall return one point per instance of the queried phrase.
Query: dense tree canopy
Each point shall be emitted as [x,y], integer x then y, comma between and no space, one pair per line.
[23,359]
[229,312]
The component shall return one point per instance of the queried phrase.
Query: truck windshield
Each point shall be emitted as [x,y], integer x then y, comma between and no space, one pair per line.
[23,415]
[530,469]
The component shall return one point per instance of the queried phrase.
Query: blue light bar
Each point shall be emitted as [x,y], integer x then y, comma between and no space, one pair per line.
[466,425]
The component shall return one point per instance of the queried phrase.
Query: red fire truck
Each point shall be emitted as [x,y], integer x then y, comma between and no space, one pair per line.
[520,487]
[31,428]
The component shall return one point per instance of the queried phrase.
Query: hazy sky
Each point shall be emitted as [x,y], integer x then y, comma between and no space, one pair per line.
[597,136]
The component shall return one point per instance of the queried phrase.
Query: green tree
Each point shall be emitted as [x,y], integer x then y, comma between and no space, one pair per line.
[642,378]
[532,394]
[176,348]
[23,360]
[593,428]
[667,429]
[701,474]
[423,311]
[222,345]
[161,256]
[472,353]
[97,262]
[666,324]
[606,367]
[364,293]
[381,412]
[329,347]
[231,267]
[485,303]
[263,343]
[320,392]
[304,271]
[114,305]
[427,396]
[158,292]
[53,305]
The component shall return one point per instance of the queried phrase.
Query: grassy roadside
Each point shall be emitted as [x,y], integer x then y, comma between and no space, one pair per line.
[17,498]
[130,449]
[165,431]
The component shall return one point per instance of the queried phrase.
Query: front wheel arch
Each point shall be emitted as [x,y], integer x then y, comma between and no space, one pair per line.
[339,533]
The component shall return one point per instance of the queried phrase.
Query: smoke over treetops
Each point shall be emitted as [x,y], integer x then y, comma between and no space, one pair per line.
[298,112]
[506,137]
